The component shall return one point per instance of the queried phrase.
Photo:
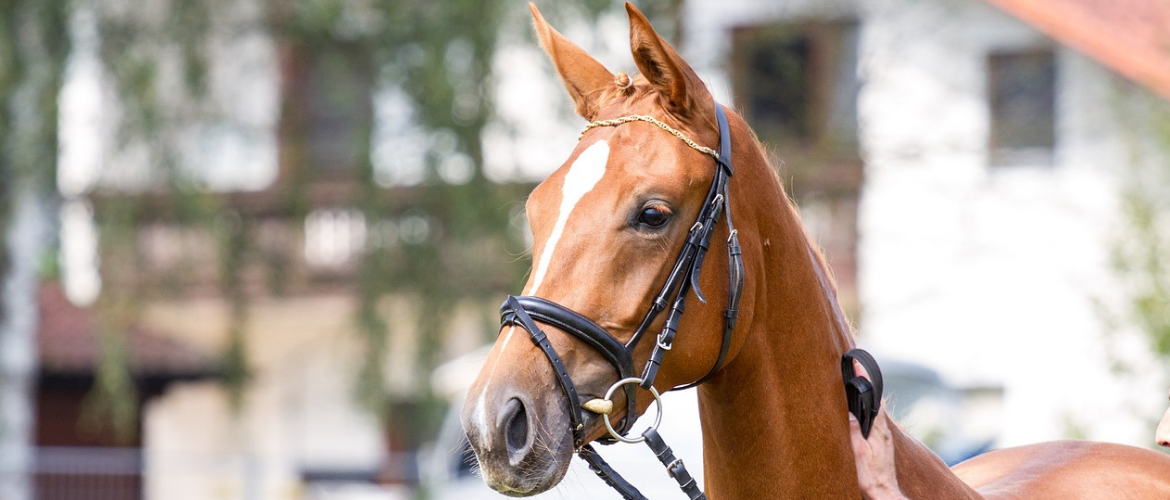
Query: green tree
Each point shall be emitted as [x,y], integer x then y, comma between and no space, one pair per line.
[1140,251]
[158,62]
[32,58]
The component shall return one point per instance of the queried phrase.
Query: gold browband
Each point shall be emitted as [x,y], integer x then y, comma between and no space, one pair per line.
[649,119]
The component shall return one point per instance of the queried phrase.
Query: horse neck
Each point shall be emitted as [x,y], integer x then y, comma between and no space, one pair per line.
[921,474]
[774,419]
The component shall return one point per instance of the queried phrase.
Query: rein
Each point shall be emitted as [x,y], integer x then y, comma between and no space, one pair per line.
[524,311]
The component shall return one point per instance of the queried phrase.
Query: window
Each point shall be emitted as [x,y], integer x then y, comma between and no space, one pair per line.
[334,237]
[328,110]
[797,84]
[1022,87]
[782,100]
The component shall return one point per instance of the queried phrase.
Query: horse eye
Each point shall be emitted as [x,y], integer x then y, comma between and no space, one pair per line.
[654,216]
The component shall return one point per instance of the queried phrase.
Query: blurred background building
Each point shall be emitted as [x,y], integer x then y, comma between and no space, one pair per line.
[242,235]
[994,203]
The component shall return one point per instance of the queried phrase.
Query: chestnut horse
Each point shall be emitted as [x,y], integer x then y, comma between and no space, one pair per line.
[607,227]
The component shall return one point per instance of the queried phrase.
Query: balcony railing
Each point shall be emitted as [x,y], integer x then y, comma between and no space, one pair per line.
[107,473]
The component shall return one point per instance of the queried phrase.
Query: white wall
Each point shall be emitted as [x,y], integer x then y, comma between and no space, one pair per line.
[298,412]
[991,275]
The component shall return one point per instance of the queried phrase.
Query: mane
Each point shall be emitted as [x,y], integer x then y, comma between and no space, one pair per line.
[816,253]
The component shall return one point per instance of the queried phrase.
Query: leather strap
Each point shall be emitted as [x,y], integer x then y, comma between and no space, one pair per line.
[863,396]
[579,326]
[674,466]
[724,159]
[735,268]
[541,340]
[607,474]
[546,311]
[709,218]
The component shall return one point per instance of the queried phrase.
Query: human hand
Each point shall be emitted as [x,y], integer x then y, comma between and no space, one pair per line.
[1162,437]
[876,470]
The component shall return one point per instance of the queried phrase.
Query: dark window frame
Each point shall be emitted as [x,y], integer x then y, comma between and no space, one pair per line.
[821,167]
[822,47]
[327,111]
[1022,129]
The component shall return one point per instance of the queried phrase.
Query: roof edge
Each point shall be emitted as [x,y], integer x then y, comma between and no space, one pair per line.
[1136,60]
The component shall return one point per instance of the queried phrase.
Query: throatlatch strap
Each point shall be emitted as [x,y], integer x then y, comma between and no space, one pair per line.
[864,396]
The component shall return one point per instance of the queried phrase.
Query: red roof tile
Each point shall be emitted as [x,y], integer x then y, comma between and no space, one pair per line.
[68,340]
[1131,37]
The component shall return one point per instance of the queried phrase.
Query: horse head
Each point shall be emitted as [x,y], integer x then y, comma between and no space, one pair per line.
[607,226]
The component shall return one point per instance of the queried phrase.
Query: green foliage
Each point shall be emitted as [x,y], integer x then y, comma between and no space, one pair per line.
[1138,255]
[112,403]
[409,45]
[9,76]
[1141,255]
[232,232]
[440,244]
[1143,264]
[135,44]
[32,60]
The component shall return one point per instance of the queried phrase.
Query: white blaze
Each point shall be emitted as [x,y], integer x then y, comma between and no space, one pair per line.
[582,177]
[584,174]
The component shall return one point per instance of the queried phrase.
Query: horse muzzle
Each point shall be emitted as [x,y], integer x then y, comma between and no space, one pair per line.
[519,437]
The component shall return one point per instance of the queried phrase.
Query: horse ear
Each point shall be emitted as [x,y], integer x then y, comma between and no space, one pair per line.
[584,77]
[674,79]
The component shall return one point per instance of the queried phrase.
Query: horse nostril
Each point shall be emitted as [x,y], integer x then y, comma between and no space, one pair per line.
[516,428]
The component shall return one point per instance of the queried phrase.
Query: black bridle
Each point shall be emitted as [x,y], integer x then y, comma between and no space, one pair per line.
[526,311]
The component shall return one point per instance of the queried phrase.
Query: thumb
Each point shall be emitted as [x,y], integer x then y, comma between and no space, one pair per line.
[859,369]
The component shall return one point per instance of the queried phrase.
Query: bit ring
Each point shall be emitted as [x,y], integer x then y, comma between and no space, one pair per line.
[657,417]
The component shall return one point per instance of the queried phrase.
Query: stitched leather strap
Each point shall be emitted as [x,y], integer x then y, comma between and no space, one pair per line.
[863,396]
[599,466]
[674,466]
[541,340]
[579,326]
[735,268]
[710,217]
[546,311]
[724,158]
